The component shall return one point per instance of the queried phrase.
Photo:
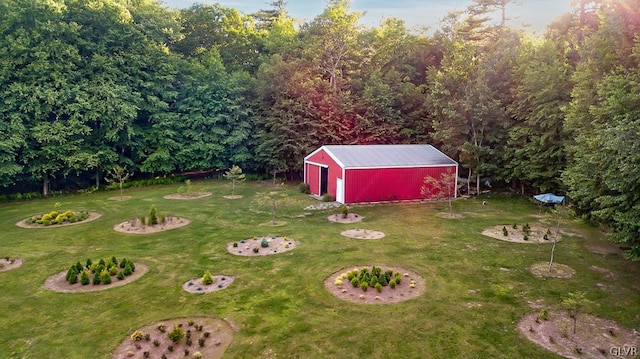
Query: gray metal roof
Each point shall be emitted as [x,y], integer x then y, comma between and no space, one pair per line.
[356,156]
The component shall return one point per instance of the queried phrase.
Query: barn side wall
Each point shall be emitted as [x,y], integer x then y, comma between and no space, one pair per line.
[311,165]
[389,184]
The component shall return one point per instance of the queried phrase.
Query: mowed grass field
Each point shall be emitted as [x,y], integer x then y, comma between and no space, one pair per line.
[477,287]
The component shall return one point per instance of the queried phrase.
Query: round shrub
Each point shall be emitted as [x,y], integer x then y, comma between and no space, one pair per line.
[256,249]
[128,270]
[120,275]
[378,287]
[355,282]
[197,355]
[364,286]
[392,283]
[137,336]
[327,198]
[264,243]
[304,188]
[176,334]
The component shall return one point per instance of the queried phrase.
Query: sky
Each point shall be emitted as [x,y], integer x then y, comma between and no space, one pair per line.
[537,14]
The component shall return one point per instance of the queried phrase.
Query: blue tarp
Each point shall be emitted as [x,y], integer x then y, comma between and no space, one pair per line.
[549,198]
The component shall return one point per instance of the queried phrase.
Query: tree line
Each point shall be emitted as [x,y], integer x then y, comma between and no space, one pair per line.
[87,86]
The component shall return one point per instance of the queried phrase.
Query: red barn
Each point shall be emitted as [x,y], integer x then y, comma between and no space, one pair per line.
[375,173]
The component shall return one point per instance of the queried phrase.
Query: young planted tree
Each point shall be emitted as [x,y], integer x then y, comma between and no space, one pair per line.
[576,303]
[440,188]
[558,213]
[234,174]
[272,198]
[118,175]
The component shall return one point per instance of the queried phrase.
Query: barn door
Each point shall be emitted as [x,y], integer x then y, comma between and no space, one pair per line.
[324,180]
[339,191]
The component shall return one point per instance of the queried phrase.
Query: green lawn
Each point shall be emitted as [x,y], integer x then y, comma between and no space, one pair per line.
[477,287]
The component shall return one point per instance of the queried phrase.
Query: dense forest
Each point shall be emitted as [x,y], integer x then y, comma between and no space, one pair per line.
[88,85]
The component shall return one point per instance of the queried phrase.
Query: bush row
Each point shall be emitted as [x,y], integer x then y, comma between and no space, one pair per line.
[100,272]
[55,217]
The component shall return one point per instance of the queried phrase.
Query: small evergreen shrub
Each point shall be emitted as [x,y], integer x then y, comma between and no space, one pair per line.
[84,278]
[364,286]
[197,355]
[355,282]
[392,283]
[96,279]
[153,215]
[264,243]
[206,280]
[162,328]
[255,249]
[344,210]
[505,232]
[515,226]
[378,287]
[201,342]
[105,278]
[120,275]
[327,198]
[128,270]
[176,334]
[235,244]
[304,188]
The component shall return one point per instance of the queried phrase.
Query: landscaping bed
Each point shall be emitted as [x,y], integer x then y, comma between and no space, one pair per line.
[58,219]
[261,246]
[193,337]
[9,263]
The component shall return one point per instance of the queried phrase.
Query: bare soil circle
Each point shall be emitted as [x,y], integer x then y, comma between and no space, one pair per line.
[362,234]
[120,198]
[134,226]
[58,282]
[541,270]
[516,235]
[349,218]
[594,338]
[188,196]
[402,292]
[92,217]
[207,335]
[252,247]
[196,285]
[9,263]
[235,196]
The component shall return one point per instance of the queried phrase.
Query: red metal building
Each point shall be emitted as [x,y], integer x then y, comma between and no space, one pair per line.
[375,173]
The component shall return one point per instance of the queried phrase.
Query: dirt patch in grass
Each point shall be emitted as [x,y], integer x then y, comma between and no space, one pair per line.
[253,246]
[207,335]
[273,224]
[58,282]
[594,338]
[188,196]
[92,217]
[402,292]
[604,249]
[9,263]
[196,285]
[606,272]
[447,215]
[349,218]
[536,234]
[119,198]
[541,270]
[235,196]
[135,226]
[362,234]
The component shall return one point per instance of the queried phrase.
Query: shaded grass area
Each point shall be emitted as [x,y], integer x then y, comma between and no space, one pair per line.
[477,287]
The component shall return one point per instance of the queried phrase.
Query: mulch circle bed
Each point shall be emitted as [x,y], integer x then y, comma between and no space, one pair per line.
[277,244]
[9,263]
[185,196]
[207,335]
[135,227]
[58,282]
[92,217]
[120,198]
[362,234]
[594,338]
[350,218]
[402,292]
[541,270]
[195,285]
